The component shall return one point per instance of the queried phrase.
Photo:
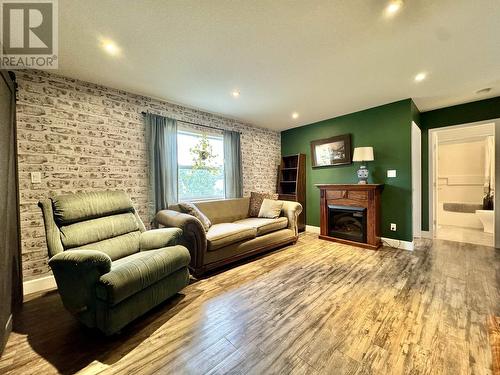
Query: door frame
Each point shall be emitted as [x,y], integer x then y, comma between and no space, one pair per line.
[416,173]
[432,152]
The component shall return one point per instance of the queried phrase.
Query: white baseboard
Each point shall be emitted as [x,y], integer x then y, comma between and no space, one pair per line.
[39,285]
[404,245]
[312,229]
[400,244]
[426,234]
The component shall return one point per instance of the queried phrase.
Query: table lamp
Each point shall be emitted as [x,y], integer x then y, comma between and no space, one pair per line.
[363,154]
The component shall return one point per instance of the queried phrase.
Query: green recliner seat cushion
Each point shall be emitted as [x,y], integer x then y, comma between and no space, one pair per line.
[116,235]
[116,247]
[95,230]
[138,271]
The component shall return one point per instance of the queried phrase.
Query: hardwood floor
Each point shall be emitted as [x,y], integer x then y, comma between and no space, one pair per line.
[316,307]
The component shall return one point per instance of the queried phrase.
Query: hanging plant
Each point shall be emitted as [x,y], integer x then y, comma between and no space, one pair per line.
[203,154]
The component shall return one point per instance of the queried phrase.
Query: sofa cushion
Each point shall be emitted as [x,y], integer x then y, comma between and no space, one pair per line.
[263,225]
[270,209]
[225,210]
[191,209]
[136,272]
[220,235]
[256,201]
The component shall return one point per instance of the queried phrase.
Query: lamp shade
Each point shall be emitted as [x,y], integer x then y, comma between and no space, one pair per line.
[363,154]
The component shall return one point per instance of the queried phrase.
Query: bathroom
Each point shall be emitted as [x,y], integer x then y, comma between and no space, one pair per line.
[464,184]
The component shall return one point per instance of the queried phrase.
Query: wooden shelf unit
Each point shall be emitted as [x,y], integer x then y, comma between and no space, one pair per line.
[292,183]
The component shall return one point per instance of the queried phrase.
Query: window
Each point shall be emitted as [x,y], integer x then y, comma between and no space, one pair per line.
[201,166]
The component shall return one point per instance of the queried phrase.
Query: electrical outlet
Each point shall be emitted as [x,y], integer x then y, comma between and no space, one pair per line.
[391,173]
[393,227]
[36,177]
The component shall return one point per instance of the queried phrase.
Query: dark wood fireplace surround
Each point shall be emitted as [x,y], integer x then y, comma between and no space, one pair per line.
[358,195]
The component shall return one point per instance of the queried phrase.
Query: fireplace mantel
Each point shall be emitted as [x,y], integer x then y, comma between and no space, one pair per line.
[365,196]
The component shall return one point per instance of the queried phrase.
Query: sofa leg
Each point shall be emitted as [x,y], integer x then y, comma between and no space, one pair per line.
[197,273]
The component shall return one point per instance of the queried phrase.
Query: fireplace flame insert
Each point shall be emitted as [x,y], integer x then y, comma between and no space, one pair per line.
[347,222]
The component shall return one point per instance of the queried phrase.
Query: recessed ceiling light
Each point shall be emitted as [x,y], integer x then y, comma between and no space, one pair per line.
[235,93]
[393,7]
[420,77]
[483,91]
[110,47]
[295,115]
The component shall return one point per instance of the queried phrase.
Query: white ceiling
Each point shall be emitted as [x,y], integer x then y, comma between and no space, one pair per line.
[319,58]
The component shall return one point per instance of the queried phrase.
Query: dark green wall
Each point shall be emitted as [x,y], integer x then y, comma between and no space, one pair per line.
[388,129]
[487,109]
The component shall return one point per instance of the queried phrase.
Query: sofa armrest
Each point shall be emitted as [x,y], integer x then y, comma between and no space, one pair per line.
[193,234]
[292,211]
[157,238]
[77,273]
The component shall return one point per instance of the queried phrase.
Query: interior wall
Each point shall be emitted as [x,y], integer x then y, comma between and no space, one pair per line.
[460,180]
[85,137]
[10,293]
[481,110]
[388,129]
[461,172]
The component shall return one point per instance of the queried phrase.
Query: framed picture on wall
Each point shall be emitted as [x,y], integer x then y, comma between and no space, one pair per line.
[331,151]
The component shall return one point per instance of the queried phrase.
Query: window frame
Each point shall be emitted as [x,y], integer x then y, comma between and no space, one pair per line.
[213,134]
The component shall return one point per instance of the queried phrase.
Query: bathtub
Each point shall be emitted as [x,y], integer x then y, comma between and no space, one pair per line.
[459,214]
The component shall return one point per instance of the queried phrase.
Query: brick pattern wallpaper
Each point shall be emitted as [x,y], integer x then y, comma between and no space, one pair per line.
[86,137]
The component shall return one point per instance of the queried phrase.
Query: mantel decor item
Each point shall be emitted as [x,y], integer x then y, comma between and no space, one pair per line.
[363,154]
[331,151]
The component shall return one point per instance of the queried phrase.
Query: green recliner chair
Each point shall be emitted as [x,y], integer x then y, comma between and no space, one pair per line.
[109,270]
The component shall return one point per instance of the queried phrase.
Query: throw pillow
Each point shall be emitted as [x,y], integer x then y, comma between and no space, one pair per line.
[270,209]
[256,201]
[191,209]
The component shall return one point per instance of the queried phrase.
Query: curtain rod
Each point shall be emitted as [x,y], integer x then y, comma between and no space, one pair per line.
[194,123]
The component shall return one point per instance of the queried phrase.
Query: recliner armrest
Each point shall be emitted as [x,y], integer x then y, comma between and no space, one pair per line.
[157,238]
[77,273]
[193,234]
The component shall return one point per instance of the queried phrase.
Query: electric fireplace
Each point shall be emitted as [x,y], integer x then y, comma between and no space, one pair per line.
[347,222]
[350,214]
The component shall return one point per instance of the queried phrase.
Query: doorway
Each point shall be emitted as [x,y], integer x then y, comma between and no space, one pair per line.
[463,184]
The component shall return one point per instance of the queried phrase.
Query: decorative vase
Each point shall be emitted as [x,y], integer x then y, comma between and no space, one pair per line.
[363,175]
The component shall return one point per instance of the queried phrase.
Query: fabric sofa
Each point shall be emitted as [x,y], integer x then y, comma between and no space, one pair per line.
[233,235]
[109,270]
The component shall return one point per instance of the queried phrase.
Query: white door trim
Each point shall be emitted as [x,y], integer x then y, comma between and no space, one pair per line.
[416,178]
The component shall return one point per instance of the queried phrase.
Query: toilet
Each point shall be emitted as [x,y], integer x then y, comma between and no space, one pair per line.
[487,217]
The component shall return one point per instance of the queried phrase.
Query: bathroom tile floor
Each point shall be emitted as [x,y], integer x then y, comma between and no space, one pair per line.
[467,235]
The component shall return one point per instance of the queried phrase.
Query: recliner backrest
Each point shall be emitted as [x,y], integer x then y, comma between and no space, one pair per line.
[104,221]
